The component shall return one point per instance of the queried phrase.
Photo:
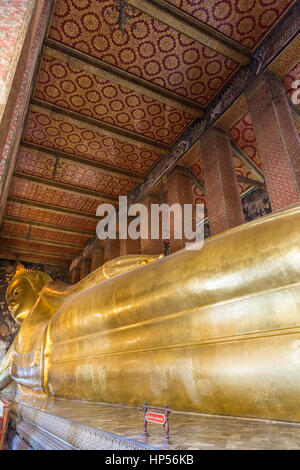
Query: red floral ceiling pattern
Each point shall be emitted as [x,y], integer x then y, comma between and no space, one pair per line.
[148,49]
[35,214]
[33,162]
[291,78]
[19,244]
[72,88]
[61,133]
[31,191]
[244,21]
[39,232]
[243,135]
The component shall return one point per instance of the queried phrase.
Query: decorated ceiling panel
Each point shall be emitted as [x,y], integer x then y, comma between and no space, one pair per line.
[36,247]
[36,192]
[29,231]
[244,21]
[64,134]
[148,48]
[35,214]
[32,162]
[73,88]
[120,96]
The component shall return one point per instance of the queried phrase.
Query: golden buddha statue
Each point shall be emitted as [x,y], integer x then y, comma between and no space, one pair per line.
[215,330]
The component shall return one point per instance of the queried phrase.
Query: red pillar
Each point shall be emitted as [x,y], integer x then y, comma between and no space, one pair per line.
[75,275]
[151,246]
[111,249]
[97,257]
[85,267]
[180,191]
[277,140]
[221,187]
[129,247]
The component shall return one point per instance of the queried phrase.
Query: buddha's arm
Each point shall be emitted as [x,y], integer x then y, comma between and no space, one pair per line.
[5,368]
[55,294]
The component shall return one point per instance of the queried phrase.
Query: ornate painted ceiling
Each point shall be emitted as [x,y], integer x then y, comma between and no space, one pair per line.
[110,101]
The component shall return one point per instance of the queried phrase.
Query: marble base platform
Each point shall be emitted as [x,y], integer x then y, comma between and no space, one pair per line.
[43,423]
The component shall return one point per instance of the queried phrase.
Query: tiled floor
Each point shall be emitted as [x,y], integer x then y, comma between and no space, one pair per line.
[187,430]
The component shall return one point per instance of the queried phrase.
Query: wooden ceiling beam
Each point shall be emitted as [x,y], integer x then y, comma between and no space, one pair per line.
[42,241]
[243,157]
[251,182]
[41,253]
[138,178]
[193,28]
[114,131]
[126,79]
[69,188]
[52,208]
[52,227]
[23,256]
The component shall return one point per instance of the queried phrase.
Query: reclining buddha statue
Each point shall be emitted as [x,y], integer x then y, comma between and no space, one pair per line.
[214,330]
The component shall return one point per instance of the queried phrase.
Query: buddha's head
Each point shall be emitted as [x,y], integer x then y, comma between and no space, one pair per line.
[23,291]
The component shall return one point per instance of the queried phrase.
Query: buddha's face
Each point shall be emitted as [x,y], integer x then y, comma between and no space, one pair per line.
[20,298]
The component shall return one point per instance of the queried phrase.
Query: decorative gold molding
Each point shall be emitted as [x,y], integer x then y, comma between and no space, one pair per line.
[287,59]
[233,114]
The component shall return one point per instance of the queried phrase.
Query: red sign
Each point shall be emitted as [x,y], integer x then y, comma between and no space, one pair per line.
[156,418]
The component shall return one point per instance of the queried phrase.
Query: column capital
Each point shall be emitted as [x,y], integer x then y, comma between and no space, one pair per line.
[266,80]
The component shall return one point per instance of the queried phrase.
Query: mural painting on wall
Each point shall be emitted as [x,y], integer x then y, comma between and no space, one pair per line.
[256,204]
[8,328]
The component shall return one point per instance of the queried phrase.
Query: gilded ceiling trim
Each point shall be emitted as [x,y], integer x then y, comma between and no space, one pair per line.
[120,77]
[200,32]
[233,114]
[108,169]
[101,197]
[287,60]
[95,124]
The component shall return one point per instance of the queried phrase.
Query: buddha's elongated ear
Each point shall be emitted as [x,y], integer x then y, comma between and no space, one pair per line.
[40,280]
